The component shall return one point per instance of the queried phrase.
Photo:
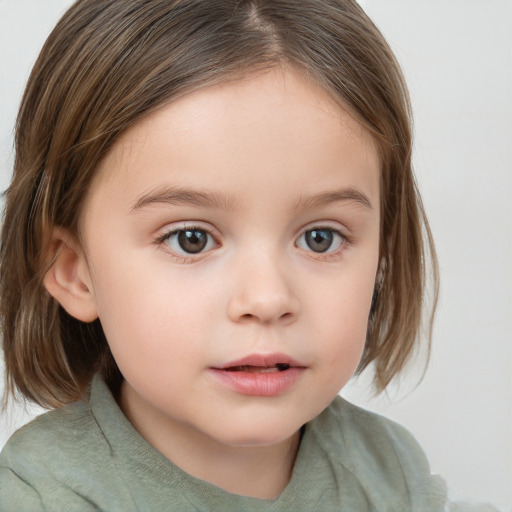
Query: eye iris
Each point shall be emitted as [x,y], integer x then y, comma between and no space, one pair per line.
[319,240]
[192,241]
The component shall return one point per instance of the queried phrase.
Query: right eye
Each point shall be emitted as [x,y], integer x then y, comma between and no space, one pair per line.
[188,241]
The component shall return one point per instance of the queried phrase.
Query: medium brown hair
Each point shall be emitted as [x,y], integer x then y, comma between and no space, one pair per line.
[109,63]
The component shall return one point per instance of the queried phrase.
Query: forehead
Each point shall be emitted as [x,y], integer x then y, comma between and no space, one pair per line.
[263,126]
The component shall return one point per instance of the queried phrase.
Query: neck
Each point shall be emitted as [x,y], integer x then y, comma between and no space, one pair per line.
[260,472]
[257,471]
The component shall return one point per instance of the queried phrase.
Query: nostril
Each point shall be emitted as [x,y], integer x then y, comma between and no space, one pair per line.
[250,316]
[286,316]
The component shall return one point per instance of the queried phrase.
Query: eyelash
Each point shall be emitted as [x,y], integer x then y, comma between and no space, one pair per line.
[191,257]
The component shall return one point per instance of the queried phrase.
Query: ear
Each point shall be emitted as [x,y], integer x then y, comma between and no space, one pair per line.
[68,280]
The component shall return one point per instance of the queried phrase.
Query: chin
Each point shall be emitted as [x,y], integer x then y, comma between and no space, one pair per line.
[257,434]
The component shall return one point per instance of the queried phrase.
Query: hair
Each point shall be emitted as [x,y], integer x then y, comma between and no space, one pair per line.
[109,63]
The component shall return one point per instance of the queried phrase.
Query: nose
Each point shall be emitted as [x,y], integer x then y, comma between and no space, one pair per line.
[262,292]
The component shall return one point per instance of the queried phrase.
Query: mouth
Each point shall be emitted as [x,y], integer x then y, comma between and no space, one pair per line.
[278,367]
[262,375]
[262,363]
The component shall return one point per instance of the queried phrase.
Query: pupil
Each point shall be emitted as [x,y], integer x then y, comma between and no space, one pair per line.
[192,241]
[319,240]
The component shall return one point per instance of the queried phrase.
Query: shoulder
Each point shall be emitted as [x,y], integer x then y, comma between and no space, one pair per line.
[37,458]
[50,437]
[383,456]
[58,461]
[378,433]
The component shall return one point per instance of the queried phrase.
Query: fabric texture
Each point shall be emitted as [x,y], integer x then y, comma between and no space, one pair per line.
[88,457]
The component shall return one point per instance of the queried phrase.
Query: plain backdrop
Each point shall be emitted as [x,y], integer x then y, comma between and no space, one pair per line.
[457,58]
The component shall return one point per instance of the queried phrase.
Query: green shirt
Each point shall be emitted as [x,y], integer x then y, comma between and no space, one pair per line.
[88,457]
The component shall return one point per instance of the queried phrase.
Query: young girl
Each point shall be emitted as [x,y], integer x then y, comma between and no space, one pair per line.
[212,225]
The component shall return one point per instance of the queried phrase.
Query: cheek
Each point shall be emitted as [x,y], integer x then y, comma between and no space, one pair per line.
[150,316]
[342,312]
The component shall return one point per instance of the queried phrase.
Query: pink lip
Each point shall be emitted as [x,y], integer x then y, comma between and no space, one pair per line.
[260,374]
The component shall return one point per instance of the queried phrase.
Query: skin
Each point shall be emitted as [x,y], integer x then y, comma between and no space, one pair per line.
[281,158]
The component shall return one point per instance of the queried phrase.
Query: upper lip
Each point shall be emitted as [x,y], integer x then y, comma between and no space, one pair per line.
[263,361]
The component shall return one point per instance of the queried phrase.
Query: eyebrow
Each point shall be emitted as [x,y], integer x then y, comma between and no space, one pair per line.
[185,197]
[214,200]
[326,198]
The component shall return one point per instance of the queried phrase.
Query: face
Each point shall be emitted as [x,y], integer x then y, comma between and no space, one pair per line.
[231,248]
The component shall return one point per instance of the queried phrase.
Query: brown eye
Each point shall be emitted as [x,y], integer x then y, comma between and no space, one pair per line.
[192,241]
[189,241]
[321,240]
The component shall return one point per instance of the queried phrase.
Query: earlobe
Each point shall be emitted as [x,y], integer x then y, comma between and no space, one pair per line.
[68,279]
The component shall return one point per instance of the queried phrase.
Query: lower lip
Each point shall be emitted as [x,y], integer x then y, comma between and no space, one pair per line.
[259,384]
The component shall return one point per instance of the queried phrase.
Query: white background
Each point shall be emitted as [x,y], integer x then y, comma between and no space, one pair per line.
[457,56]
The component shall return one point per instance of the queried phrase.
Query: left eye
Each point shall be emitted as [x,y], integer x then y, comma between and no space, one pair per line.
[320,240]
[189,241]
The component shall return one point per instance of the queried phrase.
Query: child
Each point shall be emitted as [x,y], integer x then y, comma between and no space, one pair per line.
[212,225]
